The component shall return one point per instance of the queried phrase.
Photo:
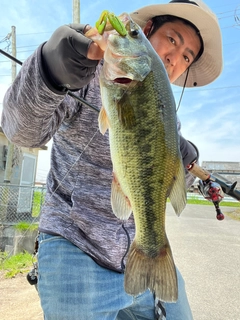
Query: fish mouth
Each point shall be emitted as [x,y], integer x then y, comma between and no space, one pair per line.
[122,80]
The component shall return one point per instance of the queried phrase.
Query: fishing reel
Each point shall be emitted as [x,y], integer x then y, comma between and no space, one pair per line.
[212,191]
[213,187]
[32,276]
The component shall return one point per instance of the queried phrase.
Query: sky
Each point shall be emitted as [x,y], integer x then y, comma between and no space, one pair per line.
[209,115]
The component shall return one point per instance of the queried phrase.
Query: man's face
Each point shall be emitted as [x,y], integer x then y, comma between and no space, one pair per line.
[177,44]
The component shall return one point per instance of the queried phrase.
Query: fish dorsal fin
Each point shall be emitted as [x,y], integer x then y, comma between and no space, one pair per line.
[120,203]
[178,195]
[103,121]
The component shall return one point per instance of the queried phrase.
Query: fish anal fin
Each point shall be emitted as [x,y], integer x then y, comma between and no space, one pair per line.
[103,121]
[120,203]
[178,194]
[155,273]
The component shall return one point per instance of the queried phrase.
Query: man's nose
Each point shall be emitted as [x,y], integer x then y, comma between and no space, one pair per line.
[172,58]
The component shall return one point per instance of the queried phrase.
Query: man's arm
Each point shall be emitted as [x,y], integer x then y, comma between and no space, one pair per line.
[189,152]
[31,111]
[36,103]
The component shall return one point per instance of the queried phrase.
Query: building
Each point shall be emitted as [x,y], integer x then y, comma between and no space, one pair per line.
[16,195]
[24,162]
[230,171]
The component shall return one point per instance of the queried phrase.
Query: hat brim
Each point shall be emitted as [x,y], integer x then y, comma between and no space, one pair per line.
[209,66]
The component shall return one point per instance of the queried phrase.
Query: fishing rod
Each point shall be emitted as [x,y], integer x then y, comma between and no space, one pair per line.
[68,92]
[31,277]
[10,57]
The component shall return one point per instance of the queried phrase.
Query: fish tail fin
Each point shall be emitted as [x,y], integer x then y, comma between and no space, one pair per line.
[156,273]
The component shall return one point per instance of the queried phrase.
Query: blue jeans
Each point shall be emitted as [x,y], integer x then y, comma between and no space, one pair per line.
[72,286]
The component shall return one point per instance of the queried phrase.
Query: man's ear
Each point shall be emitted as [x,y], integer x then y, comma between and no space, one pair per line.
[148,28]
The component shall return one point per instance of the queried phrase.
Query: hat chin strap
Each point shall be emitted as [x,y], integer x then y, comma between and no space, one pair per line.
[183,88]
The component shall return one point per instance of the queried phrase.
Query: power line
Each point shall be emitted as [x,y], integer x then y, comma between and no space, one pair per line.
[31,33]
[201,90]
[50,32]
[209,89]
[232,16]
[220,18]
[221,14]
[225,12]
[33,45]
[228,4]
[37,45]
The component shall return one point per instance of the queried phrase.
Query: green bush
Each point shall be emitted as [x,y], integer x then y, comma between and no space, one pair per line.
[24,226]
[19,263]
[38,200]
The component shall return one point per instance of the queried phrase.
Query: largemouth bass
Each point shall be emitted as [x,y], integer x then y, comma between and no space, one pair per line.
[139,112]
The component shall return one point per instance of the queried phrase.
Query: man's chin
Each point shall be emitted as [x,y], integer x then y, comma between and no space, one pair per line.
[170,77]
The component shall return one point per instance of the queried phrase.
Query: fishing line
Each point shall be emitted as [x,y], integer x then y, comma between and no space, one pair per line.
[183,88]
[55,190]
[78,158]
[68,92]
[53,193]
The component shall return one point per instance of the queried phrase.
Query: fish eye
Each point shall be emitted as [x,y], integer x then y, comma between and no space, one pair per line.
[133,33]
[133,29]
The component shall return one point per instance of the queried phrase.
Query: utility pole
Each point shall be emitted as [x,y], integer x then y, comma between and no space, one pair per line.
[76,11]
[10,151]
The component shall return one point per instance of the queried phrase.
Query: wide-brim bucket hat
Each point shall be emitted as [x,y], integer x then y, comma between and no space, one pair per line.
[209,66]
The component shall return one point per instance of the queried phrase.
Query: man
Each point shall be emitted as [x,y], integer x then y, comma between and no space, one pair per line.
[82,244]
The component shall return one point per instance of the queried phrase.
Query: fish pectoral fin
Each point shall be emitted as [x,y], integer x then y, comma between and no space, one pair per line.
[120,203]
[178,194]
[156,273]
[103,121]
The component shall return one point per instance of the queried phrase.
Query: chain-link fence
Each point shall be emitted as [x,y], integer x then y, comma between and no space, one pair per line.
[20,203]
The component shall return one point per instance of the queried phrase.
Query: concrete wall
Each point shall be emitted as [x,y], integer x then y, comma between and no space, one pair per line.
[13,241]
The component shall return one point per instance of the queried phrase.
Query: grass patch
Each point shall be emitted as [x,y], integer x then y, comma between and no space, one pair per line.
[38,200]
[23,226]
[235,215]
[195,200]
[208,203]
[19,263]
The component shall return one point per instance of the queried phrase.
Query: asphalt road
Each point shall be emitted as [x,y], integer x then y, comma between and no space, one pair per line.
[207,252]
